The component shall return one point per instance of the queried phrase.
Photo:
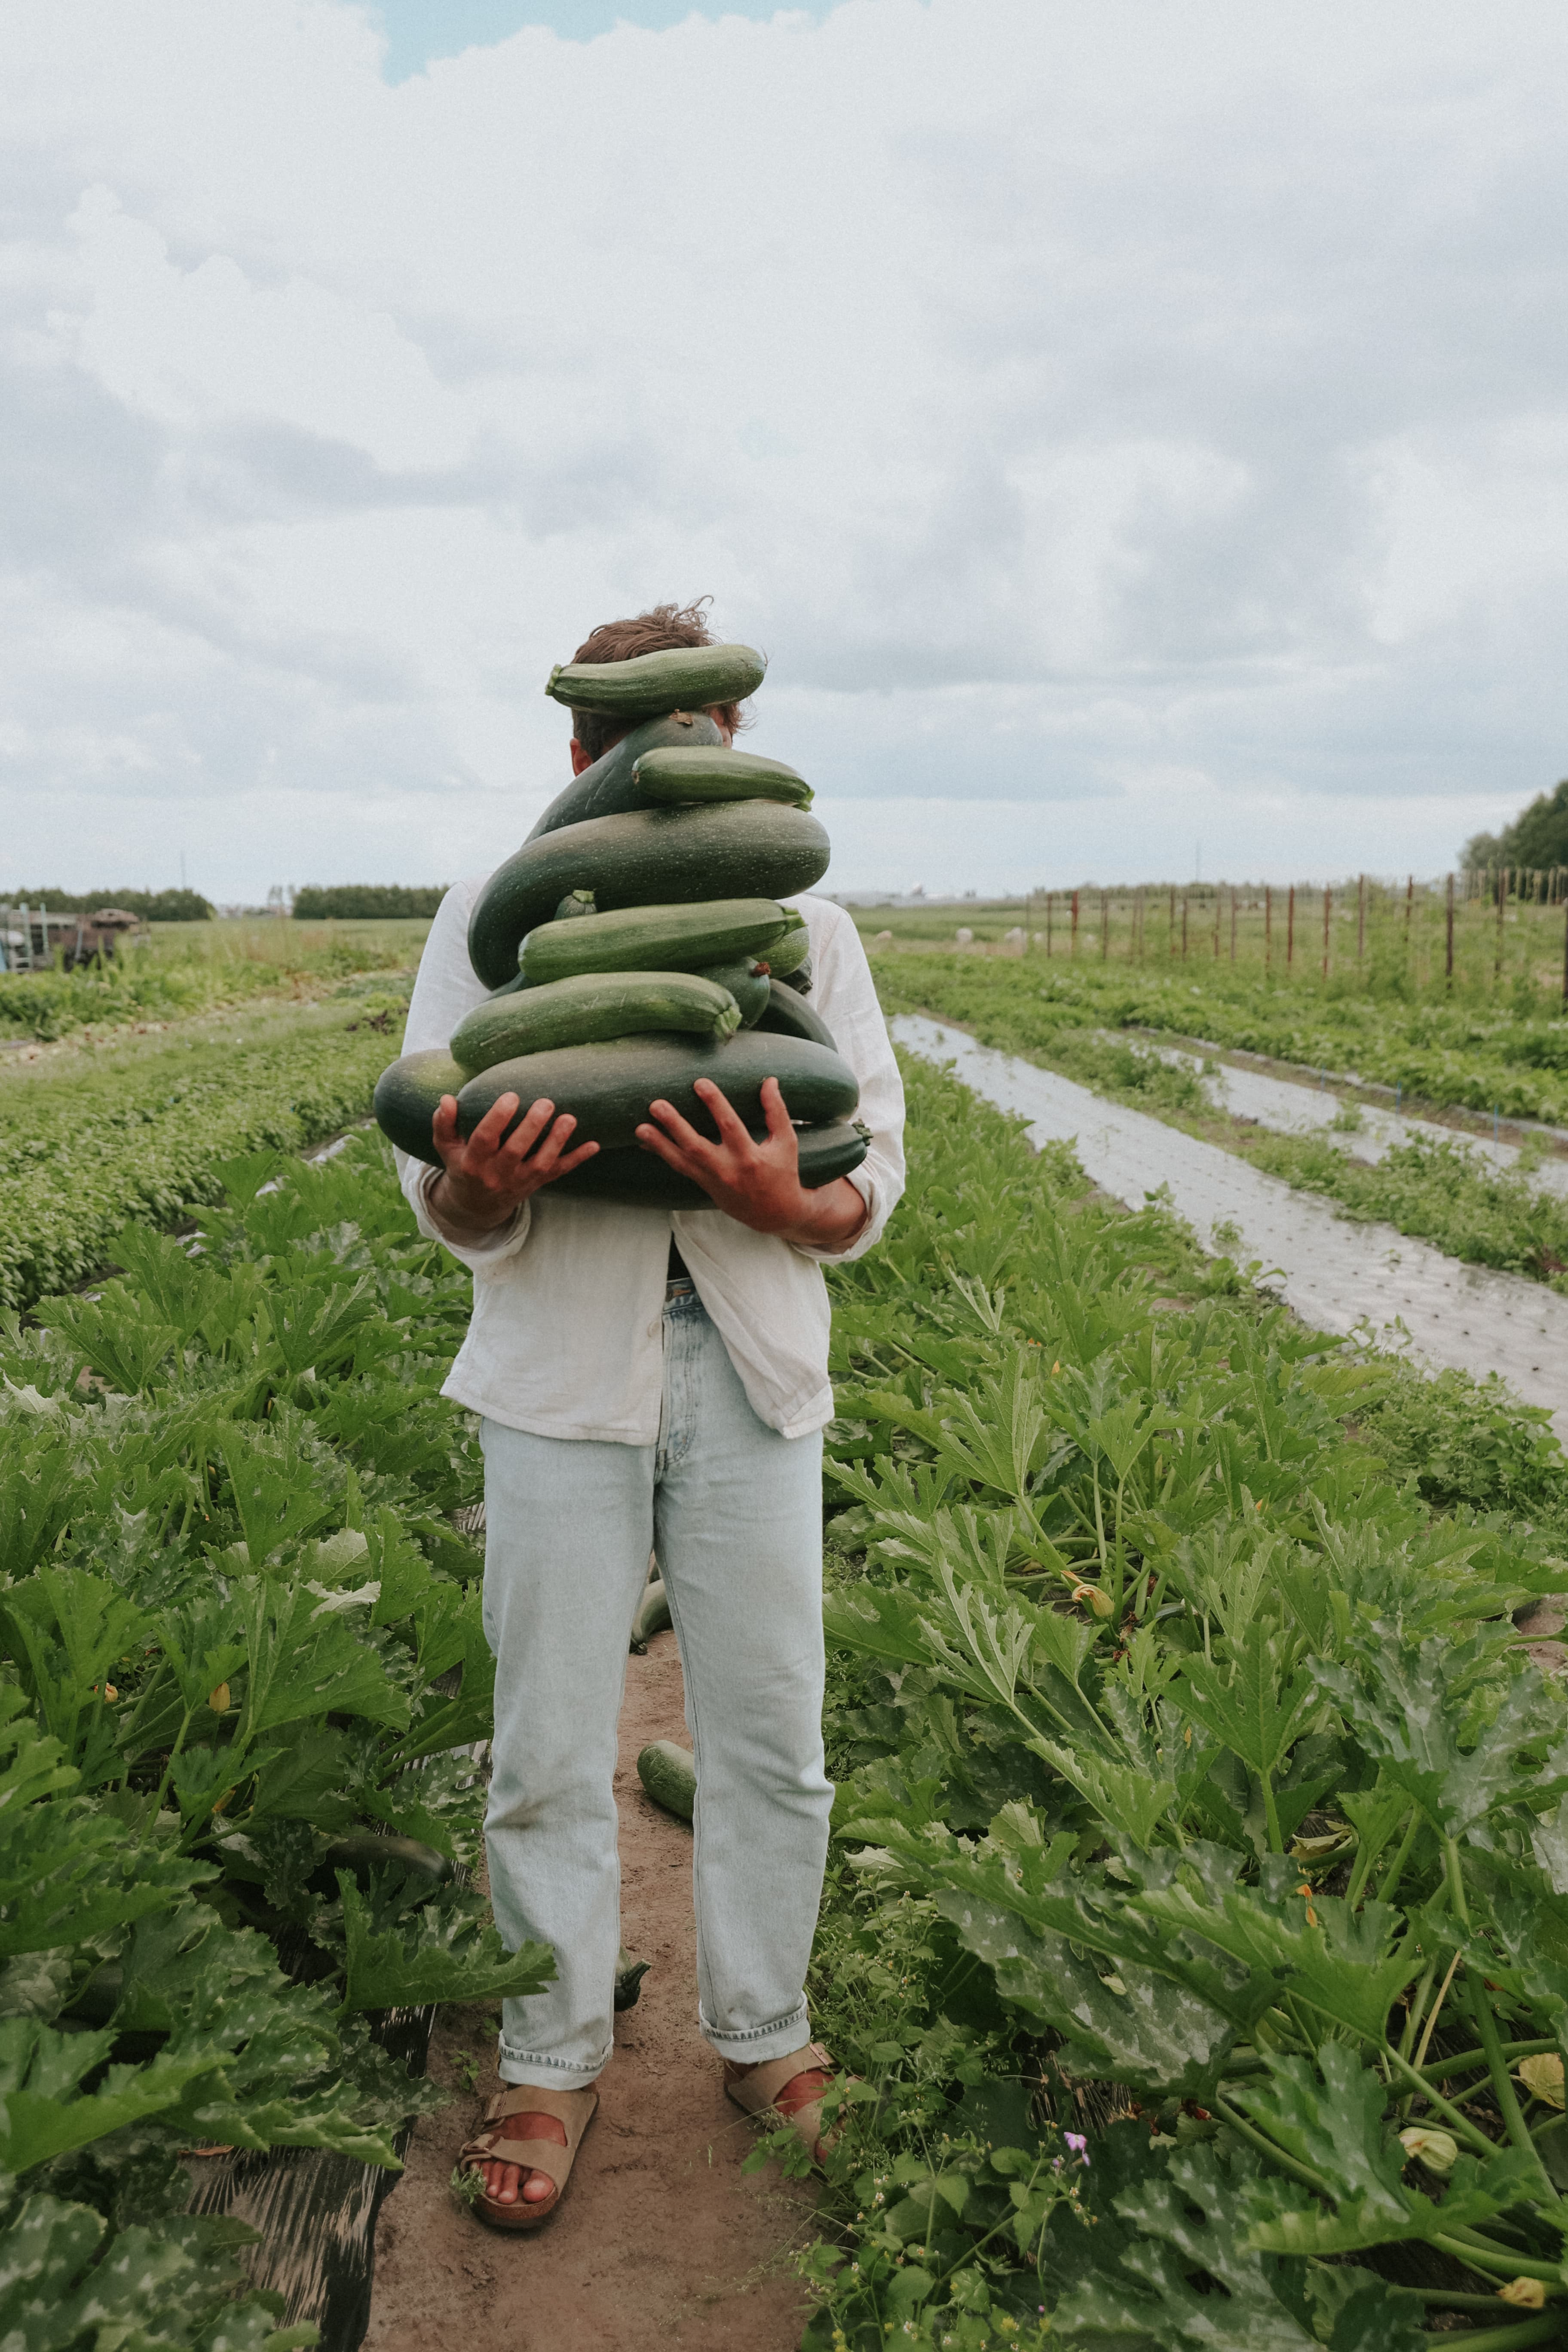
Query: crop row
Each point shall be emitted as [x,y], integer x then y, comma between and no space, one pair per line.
[240,1650]
[1482,1058]
[1436,1190]
[1197,1924]
[142,1132]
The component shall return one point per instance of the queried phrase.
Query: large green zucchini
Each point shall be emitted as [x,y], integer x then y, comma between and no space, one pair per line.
[683,774]
[595,1004]
[747,982]
[743,850]
[656,938]
[789,955]
[407,1095]
[682,678]
[607,788]
[787,1014]
[641,1180]
[609,1087]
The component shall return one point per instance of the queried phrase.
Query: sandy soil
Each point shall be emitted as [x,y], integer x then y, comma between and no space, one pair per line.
[660,2240]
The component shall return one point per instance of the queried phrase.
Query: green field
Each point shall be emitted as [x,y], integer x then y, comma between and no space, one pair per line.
[1150,1925]
[182,969]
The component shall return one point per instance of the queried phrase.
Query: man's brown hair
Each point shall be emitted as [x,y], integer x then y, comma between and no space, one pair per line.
[660,630]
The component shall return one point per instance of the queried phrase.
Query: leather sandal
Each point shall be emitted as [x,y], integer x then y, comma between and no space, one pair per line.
[573,2109]
[759,2090]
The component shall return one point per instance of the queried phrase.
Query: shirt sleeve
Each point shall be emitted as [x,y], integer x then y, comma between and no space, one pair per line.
[447,987]
[844,992]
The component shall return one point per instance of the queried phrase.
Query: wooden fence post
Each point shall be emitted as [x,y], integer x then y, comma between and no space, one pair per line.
[1232,922]
[1501,903]
[1073,949]
[1449,972]
[1360,921]
[1104,925]
[1327,910]
[1267,926]
[1186,902]
[1290,929]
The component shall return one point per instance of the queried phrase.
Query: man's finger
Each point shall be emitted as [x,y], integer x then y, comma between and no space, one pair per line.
[776,1112]
[486,1137]
[731,1128]
[554,1143]
[571,1159]
[678,1129]
[654,1139]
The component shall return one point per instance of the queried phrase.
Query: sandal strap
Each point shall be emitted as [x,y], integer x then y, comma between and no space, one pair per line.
[759,2090]
[575,2109]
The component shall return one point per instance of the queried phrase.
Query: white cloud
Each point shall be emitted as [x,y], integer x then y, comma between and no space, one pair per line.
[1117,424]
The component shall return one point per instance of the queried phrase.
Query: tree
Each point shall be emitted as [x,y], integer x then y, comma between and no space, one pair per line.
[1538,837]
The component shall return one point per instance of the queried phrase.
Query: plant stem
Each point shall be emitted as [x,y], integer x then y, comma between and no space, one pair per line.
[1541,2330]
[1390,1888]
[1467,2058]
[1366,1858]
[1469,2246]
[1265,2147]
[1491,2039]
[1461,2124]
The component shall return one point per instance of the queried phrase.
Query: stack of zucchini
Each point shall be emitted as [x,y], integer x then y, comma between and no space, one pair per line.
[636,943]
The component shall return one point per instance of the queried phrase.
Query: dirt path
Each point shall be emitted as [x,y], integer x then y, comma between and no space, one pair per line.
[661,2240]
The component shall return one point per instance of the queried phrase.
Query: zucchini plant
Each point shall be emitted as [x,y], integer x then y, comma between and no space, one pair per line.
[242,1673]
[1195,1771]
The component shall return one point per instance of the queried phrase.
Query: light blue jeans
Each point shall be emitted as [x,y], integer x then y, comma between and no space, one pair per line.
[735,1512]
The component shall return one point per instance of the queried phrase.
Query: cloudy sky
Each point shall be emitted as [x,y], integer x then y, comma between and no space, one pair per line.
[1137,433]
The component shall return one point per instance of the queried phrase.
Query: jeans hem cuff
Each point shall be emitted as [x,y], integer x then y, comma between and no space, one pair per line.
[757,2044]
[525,2066]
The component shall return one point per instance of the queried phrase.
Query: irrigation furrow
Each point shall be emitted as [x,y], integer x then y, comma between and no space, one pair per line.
[1332,1273]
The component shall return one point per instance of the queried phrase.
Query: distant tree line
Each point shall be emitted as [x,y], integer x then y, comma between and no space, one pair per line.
[1538,837]
[152,906]
[365,901]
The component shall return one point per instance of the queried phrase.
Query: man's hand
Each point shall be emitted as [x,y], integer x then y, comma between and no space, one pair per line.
[758,1184]
[484,1179]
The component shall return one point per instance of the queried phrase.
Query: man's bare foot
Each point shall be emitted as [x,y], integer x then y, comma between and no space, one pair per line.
[505,2182]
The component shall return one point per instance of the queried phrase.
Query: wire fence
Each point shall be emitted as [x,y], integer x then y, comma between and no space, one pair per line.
[1478,931]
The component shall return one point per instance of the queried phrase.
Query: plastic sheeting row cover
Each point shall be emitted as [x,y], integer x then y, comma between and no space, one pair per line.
[1336,1275]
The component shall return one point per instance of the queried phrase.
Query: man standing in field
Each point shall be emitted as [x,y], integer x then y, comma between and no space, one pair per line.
[648,1379]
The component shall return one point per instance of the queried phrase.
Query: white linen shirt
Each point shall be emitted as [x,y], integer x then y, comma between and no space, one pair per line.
[566,1335]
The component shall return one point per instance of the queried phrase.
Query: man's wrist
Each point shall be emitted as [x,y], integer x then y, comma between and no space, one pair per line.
[832,1222]
[447,1210]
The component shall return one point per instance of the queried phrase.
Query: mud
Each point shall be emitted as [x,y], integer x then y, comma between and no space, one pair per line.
[1361,1130]
[660,2240]
[1334,1273]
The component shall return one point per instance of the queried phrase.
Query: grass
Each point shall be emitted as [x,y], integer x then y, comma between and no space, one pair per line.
[186,968]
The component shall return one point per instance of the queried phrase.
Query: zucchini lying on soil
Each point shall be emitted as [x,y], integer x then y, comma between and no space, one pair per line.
[747,982]
[607,788]
[629,1974]
[679,776]
[609,1085]
[408,1095]
[683,677]
[594,1006]
[787,1014]
[641,1180]
[653,1615]
[740,849]
[669,1773]
[684,937]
